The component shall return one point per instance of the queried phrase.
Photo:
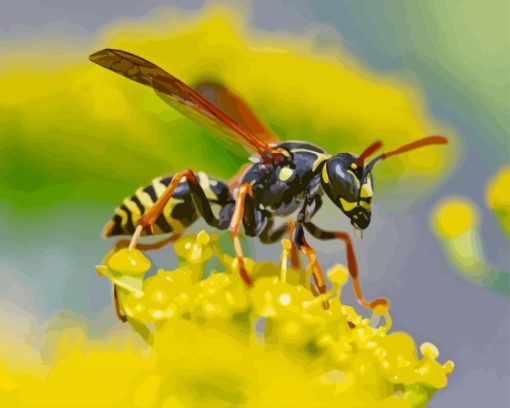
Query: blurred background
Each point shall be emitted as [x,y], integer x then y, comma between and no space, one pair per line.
[76,139]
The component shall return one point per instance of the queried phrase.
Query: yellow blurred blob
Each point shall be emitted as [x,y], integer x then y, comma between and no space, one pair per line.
[338,275]
[497,194]
[497,197]
[455,221]
[454,217]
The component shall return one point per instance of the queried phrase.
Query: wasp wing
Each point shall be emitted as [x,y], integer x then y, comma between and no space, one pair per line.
[235,107]
[181,97]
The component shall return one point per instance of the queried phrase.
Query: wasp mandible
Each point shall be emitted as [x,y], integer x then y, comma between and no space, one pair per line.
[287,178]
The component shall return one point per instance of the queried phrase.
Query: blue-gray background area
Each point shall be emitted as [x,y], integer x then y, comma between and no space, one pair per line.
[469,324]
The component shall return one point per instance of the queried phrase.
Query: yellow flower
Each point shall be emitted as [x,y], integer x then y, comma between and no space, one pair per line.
[218,343]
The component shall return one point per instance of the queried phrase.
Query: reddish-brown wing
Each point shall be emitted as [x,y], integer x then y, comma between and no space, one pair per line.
[235,107]
[181,97]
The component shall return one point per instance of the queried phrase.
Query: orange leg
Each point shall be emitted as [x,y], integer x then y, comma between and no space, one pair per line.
[124,243]
[352,264]
[153,213]
[295,260]
[235,225]
[317,274]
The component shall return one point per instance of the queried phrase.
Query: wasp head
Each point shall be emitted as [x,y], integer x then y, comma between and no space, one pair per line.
[348,181]
[349,187]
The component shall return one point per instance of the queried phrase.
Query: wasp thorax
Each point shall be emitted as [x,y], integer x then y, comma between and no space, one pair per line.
[349,188]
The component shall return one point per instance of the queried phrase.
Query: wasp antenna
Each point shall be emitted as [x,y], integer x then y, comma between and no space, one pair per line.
[426,141]
[370,150]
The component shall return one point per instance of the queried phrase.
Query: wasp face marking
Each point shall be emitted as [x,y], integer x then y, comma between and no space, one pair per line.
[366,188]
[366,205]
[366,193]
[349,188]
[347,205]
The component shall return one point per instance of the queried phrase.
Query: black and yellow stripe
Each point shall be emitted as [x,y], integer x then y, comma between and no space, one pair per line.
[178,214]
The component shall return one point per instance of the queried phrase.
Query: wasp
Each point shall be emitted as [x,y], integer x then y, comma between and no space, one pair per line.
[286,180]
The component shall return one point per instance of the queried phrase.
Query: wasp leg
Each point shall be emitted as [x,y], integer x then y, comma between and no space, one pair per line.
[352,264]
[311,204]
[124,243]
[303,245]
[119,314]
[295,260]
[199,199]
[244,211]
[270,235]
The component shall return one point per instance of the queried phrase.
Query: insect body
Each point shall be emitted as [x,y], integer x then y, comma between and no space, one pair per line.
[178,214]
[287,178]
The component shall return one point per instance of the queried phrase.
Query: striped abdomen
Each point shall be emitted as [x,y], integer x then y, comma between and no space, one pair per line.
[178,214]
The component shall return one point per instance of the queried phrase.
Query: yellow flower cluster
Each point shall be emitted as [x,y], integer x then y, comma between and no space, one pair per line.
[214,343]
[219,344]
